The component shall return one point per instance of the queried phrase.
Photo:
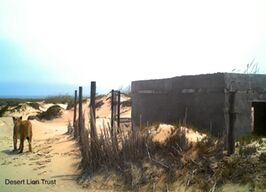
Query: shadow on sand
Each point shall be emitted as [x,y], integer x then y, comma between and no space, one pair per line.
[10,152]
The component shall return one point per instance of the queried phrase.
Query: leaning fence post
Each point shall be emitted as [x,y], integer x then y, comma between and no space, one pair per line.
[75,114]
[118,109]
[232,118]
[80,121]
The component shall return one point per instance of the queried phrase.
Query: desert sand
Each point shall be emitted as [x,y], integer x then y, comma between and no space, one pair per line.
[55,158]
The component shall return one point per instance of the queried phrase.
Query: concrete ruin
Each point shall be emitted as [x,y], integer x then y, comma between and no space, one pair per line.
[202,101]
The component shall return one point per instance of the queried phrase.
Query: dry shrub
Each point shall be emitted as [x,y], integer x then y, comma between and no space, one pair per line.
[32,117]
[262,156]
[139,160]
[247,150]
[126,152]
[114,151]
[99,104]
[52,112]
[250,138]
[122,152]
[235,169]
[58,99]
[177,142]
[70,104]
[34,105]
[3,110]
[198,162]
[19,108]
[126,103]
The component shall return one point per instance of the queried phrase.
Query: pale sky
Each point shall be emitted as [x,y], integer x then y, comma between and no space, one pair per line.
[115,42]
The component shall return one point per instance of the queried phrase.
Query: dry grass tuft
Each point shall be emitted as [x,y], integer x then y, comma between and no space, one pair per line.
[140,161]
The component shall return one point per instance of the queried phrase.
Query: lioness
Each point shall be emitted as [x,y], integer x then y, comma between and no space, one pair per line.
[23,130]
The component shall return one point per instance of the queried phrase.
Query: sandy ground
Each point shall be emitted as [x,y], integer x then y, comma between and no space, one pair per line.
[53,165]
[164,131]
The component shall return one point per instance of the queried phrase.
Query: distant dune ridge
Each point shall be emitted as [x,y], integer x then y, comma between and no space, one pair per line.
[37,110]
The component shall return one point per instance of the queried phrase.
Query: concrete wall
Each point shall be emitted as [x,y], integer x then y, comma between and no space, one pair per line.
[199,98]
[249,88]
[203,99]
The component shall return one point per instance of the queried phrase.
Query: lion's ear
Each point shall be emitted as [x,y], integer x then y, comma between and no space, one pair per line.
[20,118]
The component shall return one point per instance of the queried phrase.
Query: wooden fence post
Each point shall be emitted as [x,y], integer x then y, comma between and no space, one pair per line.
[92,106]
[112,108]
[75,114]
[93,133]
[232,118]
[93,94]
[80,121]
[118,109]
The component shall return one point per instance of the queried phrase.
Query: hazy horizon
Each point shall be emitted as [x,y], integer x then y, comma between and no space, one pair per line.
[52,47]
[43,90]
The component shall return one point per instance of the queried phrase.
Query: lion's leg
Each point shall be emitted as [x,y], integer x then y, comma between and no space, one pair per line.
[29,140]
[15,139]
[15,144]
[21,145]
[19,148]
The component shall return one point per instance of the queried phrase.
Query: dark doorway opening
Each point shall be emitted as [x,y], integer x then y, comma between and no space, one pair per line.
[259,117]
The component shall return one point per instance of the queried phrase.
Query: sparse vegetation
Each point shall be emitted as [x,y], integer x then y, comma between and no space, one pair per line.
[63,99]
[16,101]
[70,104]
[131,153]
[126,103]
[98,104]
[245,151]
[52,112]
[3,110]
[85,99]
[99,97]
[125,90]
[19,108]
[34,105]
[141,161]
[59,99]
[247,139]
